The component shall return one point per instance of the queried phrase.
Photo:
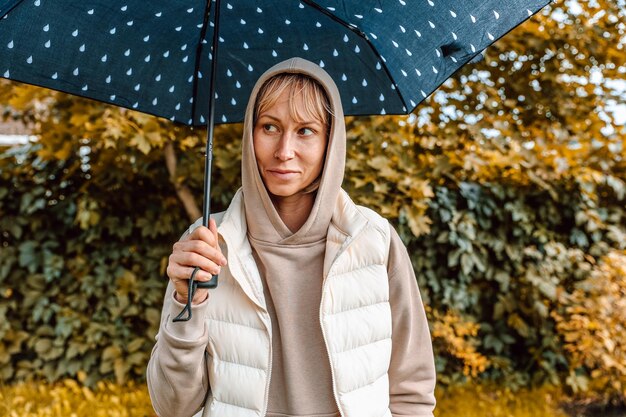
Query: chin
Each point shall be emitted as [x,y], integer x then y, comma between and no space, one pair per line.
[283,192]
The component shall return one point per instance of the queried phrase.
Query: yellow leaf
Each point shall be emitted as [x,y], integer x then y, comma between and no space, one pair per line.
[141,143]
[418,221]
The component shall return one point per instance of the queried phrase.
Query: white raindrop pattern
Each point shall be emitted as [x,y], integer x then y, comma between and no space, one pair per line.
[108,53]
[143,55]
[293,29]
[421,53]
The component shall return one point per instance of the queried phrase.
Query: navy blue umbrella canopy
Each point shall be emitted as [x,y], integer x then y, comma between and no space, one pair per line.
[155,57]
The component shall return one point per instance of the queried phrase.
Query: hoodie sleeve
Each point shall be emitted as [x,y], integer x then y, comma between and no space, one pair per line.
[412,369]
[177,373]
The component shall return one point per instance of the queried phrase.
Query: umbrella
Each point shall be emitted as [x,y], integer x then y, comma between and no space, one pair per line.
[195,61]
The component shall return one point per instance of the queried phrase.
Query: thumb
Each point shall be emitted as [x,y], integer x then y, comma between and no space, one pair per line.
[213,229]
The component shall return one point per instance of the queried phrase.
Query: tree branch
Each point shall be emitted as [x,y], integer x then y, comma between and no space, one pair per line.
[183,192]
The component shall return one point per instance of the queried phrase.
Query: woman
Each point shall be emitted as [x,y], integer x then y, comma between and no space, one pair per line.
[317,312]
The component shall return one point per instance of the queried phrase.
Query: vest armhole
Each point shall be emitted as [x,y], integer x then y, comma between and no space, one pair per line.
[387,241]
[382,225]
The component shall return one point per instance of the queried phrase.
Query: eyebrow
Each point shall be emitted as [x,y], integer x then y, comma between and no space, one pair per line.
[304,123]
[262,115]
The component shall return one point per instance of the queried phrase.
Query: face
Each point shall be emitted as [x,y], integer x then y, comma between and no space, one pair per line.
[290,154]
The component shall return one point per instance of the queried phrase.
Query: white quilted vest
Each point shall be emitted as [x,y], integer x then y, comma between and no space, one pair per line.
[355,317]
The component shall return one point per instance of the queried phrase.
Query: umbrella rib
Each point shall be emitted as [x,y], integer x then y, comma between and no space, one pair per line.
[205,24]
[8,7]
[363,35]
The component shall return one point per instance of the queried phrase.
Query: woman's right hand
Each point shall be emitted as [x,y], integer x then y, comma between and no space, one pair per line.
[201,249]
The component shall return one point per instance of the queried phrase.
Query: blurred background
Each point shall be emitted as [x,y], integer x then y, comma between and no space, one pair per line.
[508,186]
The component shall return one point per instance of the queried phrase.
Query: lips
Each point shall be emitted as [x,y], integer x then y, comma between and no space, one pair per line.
[282,174]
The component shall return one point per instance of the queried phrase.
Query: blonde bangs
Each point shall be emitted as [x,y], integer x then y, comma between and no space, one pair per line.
[316,106]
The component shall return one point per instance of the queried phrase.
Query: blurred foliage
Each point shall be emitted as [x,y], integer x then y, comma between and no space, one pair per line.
[457,338]
[68,398]
[482,400]
[507,185]
[594,328]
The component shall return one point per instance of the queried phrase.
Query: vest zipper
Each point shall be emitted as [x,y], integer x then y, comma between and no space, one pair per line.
[332,370]
[269,371]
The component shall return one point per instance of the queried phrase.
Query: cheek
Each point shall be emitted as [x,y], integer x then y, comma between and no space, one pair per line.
[318,155]
[260,148]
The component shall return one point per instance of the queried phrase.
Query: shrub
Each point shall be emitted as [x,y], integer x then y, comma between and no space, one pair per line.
[69,398]
[593,330]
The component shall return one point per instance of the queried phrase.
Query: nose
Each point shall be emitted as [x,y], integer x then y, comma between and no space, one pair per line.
[285,150]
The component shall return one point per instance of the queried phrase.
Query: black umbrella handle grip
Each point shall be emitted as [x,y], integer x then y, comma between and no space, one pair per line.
[212,283]
[193,285]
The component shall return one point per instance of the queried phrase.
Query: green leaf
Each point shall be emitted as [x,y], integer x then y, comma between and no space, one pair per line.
[28,257]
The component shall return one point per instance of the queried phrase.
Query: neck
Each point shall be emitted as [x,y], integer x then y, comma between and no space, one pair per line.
[294,210]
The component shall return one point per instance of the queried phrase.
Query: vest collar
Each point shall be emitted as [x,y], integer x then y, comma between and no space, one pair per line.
[346,223]
[234,231]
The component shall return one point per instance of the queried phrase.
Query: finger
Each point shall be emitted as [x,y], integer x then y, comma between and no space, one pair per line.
[203,233]
[213,229]
[181,286]
[201,248]
[192,259]
[181,274]
[199,296]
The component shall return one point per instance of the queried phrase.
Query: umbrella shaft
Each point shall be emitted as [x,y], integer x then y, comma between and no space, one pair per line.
[206,213]
[208,166]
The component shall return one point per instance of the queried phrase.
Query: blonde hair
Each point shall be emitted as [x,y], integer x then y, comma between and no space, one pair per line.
[316,104]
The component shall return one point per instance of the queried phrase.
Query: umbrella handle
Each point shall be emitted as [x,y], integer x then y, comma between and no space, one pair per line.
[212,283]
[193,285]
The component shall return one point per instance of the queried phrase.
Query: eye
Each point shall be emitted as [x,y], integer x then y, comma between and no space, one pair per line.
[268,127]
[305,131]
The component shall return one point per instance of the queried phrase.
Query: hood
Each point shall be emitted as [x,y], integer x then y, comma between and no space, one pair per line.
[264,223]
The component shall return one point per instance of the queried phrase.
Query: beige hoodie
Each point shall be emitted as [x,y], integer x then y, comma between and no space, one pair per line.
[291,267]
